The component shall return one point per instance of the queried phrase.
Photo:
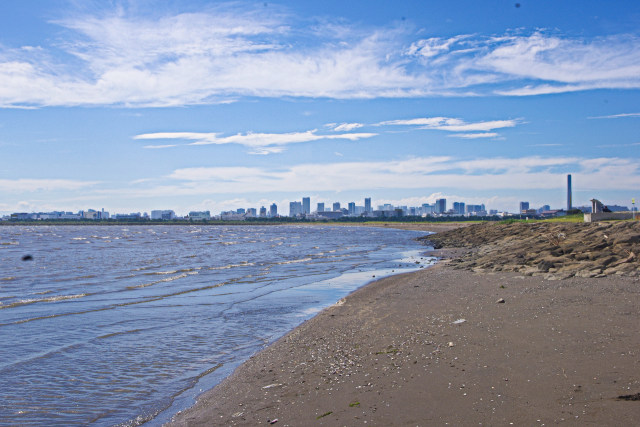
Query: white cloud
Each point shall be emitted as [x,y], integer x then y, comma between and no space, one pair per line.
[510,63]
[224,52]
[616,116]
[347,127]
[475,135]
[261,143]
[416,173]
[455,125]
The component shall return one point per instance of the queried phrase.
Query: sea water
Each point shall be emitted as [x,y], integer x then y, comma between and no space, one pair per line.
[115,325]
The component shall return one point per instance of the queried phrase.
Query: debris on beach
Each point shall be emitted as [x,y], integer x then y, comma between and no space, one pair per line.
[500,301]
[272,385]
[631,397]
[459,321]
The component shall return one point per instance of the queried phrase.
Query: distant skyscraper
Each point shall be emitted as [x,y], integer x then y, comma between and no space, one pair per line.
[458,207]
[320,207]
[524,206]
[352,208]
[336,206]
[295,208]
[569,201]
[441,206]
[367,205]
[273,210]
[263,211]
[306,205]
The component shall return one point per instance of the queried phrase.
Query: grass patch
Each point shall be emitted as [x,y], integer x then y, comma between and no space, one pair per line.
[568,218]
[324,415]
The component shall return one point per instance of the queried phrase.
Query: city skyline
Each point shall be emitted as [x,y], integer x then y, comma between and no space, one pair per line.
[149,105]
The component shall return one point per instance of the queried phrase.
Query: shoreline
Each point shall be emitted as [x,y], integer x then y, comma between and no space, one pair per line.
[391,353]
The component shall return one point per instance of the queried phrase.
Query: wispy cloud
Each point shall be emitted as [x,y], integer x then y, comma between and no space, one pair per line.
[452,124]
[229,51]
[461,128]
[415,173]
[475,135]
[347,127]
[261,143]
[616,116]
[532,64]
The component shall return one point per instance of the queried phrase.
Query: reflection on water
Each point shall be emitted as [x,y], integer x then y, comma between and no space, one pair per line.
[110,325]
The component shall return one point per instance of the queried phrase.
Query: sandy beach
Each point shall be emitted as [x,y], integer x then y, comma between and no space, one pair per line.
[451,345]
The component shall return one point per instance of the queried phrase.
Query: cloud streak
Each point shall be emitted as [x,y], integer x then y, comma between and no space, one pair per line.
[520,174]
[226,52]
[261,143]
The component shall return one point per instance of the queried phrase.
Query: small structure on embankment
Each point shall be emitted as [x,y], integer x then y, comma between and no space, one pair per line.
[598,213]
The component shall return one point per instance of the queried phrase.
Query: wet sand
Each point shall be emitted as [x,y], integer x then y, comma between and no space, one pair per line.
[436,347]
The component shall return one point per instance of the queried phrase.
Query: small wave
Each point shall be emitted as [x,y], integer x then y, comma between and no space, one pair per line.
[160,273]
[225,267]
[164,273]
[9,243]
[166,279]
[78,238]
[7,279]
[46,299]
[294,261]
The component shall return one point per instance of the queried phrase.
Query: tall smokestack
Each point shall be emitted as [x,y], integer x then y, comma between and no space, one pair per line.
[569,192]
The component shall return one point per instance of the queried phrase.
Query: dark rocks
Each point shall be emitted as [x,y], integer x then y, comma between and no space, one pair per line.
[554,250]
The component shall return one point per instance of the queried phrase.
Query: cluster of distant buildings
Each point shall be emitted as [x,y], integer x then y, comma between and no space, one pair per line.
[297,209]
[302,210]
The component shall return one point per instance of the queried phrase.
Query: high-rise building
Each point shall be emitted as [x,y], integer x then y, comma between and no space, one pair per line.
[263,212]
[295,208]
[320,207]
[524,206]
[306,205]
[569,201]
[352,208]
[273,210]
[367,205]
[458,207]
[441,206]
[336,206]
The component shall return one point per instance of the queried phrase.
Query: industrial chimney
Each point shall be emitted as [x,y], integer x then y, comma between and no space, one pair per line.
[569,192]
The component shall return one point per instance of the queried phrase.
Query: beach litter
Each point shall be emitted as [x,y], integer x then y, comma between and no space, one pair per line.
[459,321]
[272,385]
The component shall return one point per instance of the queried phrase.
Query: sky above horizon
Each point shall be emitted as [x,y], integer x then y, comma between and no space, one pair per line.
[133,106]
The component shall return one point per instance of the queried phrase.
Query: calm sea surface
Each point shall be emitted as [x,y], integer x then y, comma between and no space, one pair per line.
[127,325]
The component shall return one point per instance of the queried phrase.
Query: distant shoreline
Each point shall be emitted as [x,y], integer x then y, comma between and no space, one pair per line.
[405,224]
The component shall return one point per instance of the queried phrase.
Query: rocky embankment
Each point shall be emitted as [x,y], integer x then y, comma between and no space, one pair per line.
[553,250]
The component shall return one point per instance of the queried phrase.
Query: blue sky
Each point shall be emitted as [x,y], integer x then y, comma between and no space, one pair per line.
[201,105]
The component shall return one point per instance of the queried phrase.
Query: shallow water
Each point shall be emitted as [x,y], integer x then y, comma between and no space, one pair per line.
[127,325]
